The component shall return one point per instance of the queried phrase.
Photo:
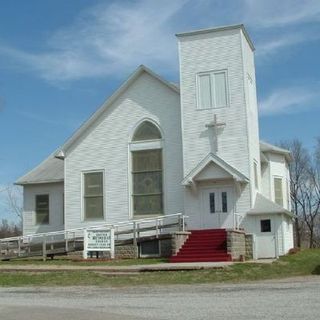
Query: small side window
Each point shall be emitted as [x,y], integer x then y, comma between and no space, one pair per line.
[42,209]
[212,203]
[278,193]
[265,225]
[224,202]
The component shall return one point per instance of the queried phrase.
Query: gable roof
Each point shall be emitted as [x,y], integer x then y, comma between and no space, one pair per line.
[213,158]
[264,205]
[48,171]
[52,168]
[95,116]
[267,147]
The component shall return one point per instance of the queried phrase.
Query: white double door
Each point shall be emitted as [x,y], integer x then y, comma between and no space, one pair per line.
[217,207]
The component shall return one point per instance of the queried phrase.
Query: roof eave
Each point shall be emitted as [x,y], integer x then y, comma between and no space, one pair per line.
[217,29]
[111,99]
[23,183]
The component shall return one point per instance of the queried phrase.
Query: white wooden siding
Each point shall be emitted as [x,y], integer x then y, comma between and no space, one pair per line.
[106,147]
[279,169]
[212,52]
[55,192]
[249,83]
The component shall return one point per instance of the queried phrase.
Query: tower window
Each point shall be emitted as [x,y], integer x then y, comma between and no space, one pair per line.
[212,90]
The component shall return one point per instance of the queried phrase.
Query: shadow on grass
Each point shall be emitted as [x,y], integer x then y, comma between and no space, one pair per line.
[316,270]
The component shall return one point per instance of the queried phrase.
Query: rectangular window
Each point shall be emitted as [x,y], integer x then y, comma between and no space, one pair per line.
[212,203]
[150,249]
[265,225]
[212,90]
[255,167]
[147,182]
[278,194]
[93,195]
[42,209]
[224,200]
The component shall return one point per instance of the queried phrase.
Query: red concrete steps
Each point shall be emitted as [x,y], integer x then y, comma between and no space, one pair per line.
[204,246]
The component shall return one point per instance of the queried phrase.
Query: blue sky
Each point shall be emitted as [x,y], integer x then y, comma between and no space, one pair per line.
[59,60]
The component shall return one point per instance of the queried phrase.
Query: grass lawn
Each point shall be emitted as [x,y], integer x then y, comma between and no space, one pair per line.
[62,261]
[306,262]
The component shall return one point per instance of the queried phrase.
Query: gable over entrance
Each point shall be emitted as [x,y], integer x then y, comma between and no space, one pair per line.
[212,167]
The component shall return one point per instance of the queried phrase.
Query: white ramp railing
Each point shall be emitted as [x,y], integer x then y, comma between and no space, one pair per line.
[61,242]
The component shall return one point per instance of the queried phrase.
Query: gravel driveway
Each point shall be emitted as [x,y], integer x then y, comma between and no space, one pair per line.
[295,298]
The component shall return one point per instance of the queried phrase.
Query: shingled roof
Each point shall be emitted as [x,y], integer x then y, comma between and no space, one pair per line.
[48,171]
[263,205]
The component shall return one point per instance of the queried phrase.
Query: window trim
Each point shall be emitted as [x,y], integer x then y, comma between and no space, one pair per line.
[146,145]
[255,174]
[35,209]
[83,217]
[274,190]
[211,73]
[155,194]
[270,225]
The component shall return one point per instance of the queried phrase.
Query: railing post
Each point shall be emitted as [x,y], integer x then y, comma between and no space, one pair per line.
[29,246]
[44,248]
[157,228]
[135,243]
[67,244]
[19,247]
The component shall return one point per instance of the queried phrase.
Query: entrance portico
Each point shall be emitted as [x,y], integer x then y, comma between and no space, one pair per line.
[215,186]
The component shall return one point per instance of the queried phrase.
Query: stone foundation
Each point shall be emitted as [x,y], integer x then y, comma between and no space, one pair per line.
[178,239]
[127,251]
[249,246]
[236,244]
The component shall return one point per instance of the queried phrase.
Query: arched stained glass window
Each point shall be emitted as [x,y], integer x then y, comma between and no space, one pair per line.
[146,131]
[147,171]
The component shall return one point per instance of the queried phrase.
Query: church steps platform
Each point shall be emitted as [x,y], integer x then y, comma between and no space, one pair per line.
[204,246]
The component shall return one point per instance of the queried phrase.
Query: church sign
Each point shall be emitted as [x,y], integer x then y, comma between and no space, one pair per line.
[98,240]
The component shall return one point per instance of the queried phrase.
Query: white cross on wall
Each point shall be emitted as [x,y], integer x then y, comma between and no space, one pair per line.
[215,126]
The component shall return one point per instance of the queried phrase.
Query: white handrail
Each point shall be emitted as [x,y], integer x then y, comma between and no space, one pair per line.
[108,225]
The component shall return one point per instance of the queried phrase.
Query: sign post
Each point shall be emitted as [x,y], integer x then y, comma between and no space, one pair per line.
[98,240]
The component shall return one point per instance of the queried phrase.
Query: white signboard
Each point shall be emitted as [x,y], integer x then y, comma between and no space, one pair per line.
[98,240]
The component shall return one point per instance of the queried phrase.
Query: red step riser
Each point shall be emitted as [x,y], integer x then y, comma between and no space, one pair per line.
[208,230]
[198,260]
[190,240]
[213,235]
[204,246]
[208,255]
[207,239]
[212,250]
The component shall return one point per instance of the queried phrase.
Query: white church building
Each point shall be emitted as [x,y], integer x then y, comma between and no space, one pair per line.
[156,148]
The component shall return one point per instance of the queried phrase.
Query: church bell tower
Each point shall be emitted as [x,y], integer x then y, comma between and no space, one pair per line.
[219,108]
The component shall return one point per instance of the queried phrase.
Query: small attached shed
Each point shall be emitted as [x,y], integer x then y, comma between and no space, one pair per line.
[272,226]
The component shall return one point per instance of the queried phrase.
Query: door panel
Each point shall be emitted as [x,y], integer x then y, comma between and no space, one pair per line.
[216,207]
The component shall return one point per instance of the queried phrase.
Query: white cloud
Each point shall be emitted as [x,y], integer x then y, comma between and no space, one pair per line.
[289,100]
[115,37]
[271,46]
[107,39]
[275,13]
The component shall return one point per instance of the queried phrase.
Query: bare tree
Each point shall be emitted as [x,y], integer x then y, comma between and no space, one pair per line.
[12,198]
[305,189]
[14,201]
[8,230]
[298,174]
